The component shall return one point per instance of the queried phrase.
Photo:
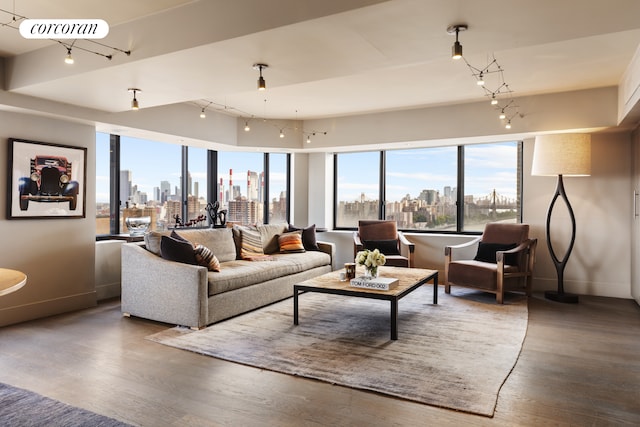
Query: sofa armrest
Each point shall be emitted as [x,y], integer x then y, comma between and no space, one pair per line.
[329,248]
[166,291]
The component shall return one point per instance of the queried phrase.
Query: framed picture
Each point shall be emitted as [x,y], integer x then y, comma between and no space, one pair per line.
[45,180]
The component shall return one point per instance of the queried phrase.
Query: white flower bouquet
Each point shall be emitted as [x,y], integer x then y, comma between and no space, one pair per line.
[371,260]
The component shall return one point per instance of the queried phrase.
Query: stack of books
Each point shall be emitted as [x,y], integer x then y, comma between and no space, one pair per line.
[379,283]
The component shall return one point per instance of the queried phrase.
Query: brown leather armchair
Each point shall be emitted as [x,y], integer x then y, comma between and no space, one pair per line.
[503,252]
[384,236]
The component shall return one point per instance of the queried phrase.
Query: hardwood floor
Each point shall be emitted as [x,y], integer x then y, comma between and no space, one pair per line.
[580,365]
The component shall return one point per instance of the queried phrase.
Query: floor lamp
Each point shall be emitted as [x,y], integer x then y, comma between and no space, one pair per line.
[561,155]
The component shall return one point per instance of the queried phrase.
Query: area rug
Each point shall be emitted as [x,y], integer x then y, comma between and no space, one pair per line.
[456,354]
[19,408]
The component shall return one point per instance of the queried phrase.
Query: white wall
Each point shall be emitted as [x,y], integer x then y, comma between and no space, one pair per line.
[56,254]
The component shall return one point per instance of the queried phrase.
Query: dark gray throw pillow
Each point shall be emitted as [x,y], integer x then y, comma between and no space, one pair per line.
[309,240]
[387,247]
[487,252]
[177,250]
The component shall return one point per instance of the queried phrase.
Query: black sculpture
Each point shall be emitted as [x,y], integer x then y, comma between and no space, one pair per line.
[218,219]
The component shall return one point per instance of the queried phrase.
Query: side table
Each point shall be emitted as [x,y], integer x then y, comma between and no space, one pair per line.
[11,280]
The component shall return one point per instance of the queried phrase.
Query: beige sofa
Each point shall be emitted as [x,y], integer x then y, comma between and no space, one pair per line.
[191,295]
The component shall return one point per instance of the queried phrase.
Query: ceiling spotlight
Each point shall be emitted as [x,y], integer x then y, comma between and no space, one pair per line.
[246,126]
[502,115]
[262,85]
[508,125]
[308,139]
[281,134]
[480,81]
[456,50]
[494,101]
[68,59]
[134,101]
[202,114]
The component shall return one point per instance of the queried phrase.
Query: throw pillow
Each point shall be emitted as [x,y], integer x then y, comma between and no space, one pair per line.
[487,252]
[291,242]
[250,244]
[177,250]
[206,258]
[308,237]
[387,247]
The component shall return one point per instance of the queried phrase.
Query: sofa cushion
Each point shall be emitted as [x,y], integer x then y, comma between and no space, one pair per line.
[218,240]
[177,250]
[291,242]
[152,241]
[250,244]
[308,237]
[240,273]
[269,236]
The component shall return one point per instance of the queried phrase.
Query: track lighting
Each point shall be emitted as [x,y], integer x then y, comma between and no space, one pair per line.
[246,126]
[508,125]
[494,101]
[281,134]
[262,85]
[202,114]
[480,81]
[502,115]
[134,101]
[308,139]
[456,50]
[68,59]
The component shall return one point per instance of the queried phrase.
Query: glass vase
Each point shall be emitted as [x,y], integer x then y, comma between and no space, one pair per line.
[371,272]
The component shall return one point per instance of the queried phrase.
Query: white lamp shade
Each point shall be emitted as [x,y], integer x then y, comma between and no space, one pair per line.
[567,154]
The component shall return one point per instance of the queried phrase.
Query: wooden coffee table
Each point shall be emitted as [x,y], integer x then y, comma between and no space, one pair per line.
[409,279]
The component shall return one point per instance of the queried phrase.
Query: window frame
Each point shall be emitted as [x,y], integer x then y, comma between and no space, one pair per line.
[212,176]
[460,176]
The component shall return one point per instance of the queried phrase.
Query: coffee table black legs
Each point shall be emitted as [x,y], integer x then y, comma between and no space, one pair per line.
[295,306]
[394,319]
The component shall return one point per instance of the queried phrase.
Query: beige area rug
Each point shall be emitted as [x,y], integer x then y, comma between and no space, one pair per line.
[455,355]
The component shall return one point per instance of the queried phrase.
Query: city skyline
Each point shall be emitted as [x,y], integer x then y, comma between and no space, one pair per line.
[488,167]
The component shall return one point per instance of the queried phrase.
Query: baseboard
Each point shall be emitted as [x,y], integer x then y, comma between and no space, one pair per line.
[108,291]
[40,309]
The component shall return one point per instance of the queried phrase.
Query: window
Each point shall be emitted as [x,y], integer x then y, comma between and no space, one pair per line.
[278,188]
[444,189]
[421,187]
[241,186]
[357,187]
[150,180]
[491,184]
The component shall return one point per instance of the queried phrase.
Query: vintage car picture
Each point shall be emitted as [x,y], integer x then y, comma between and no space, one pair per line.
[47,180]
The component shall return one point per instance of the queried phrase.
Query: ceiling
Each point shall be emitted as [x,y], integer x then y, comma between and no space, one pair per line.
[329,58]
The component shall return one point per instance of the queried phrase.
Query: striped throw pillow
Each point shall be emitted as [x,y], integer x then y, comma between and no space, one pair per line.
[250,244]
[206,258]
[291,242]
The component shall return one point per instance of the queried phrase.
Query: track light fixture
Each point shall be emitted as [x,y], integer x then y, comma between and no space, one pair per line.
[203,115]
[281,133]
[68,59]
[262,85]
[456,50]
[246,126]
[134,102]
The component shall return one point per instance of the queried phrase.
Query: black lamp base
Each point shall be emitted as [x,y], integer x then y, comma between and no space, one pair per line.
[561,297]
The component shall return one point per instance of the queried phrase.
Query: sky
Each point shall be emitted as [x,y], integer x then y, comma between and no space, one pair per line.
[487,167]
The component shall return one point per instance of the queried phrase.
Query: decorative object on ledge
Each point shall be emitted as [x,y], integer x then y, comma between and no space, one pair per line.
[217,219]
[561,155]
[45,180]
[137,226]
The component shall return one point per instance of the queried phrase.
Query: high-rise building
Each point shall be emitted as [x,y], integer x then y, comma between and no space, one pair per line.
[125,187]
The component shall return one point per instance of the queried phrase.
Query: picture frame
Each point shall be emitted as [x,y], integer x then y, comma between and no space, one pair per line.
[45,180]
